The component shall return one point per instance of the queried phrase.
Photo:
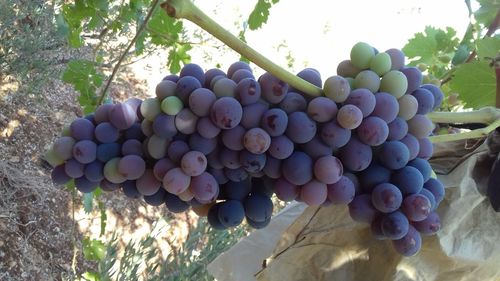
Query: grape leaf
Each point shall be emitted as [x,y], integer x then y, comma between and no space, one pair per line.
[475,83]
[260,13]
[88,202]
[85,79]
[431,43]
[487,12]
[93,250]
[177,55]
[163,29]
[488,47]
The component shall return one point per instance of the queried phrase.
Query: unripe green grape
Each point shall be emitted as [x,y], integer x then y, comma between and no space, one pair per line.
[52,158]
[172,105]
[422,66]
[150,108]
[337,88]
[408,106]
[367,79]
[351,81]
[361,55]
[111,171]
[381,63]
[395,83]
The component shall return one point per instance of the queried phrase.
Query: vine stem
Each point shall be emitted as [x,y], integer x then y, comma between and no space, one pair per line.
[478,133]
[124,54]
[186,9]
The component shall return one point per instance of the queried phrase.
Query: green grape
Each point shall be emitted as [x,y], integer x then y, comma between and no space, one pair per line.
[361,55]
[111,171]
[172,105]
[367,79]
[150,108]
[51,157]
[381,63]
[395,83]
[351,81]
[337,88]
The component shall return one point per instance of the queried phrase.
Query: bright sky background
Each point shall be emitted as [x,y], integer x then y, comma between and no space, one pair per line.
[321,34]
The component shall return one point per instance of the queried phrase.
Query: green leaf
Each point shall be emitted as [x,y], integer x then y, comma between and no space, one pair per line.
[260,14]
[488,47]
[104,217]
[91,276]
[85,78]
[88,199]
[427,46]
[93,250]
[475,83]
[163,29]
[71,185]
[461,54]
[487,12]
[177,55]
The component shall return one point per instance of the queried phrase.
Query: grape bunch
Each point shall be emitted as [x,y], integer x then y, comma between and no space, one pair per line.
[223,143]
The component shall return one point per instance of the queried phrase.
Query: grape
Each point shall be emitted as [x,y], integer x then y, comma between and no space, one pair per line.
[361,55]
[85,186]
[219,175]
[122,116]
[274,122]
[273,90]
[176,181]
[252,163]
[194,70]
[362,99]
[193,163]
[147,127]
[157,147]
[397,58]
[313,193]
[256,140]
[156,199]
[394,155]
[367,79]
[231,213]
[322,109]
[355,155]
[361,208]
[334,135]
[311,75]
[342,191]
[349,116]
[436,188]
[204,187]
[337,88]
[204,145]
[224,87]
[211,74]
[201,100]
[423,167]
[373,131]
[186,195]
[293,102]
[150,108]
[420,126]
[73,168]
[429,196]
[248,91]
[381,63]
[354,180]
[206,128]
[426,148]
[376,228]
[147,184]
[134,132]
[262,185]
[397,129]
[372,176]
[94,171]
[252,115]
[301,128]
[135,103]
[185,86]
[436,92]
[59,176]
[425,100]
[131,167]
[281,147]
[408,106]
[394,82]
[171,77]
[230,158]
[237,66]
[414,78]
[416,207]
[171,105]
[107,151]
[82,129]
[176,150]
[107,186]
[101,113]
[242,74]
[213,217]
[185,121]
[328,169]
[386,197]
[226,112]
[298,168]
[164,126]
[258,207]
[63,147]
[161,167]
[215,79]
[386,107]
[111,172]
[238,174]
[347,69]
[410,244]
[174,204]
[315,148]
[394,225]
[165,88]
[85,151]
[412,144]
[235,190]
[233,138]
[430,225]
[285,190]
[272,169]
[258,225]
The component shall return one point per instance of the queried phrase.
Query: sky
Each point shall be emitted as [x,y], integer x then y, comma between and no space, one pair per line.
[319,34]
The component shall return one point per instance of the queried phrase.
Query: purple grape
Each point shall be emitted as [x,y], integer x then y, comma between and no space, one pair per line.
[204,187]
[210,74]
[59,175]
[252,163]
[408,179]
[397,58]
[355,155]
[193,163]
[94,171]
[176,181]
[204,145]
[108,186]
[363,99]
[233,138]
[147,184]
[122,116]
[281,147]
[206,128]
[395,225]
[301,128]
[156,147]
[386,107]
[430,225]
[226,112]
[241,74]
[235,190]
[248,91]
[274,122]
[273,90]
[293,102]
[238,174]
[258,225]
[129,189]
[397,129]
[322,109]
[361,208]
[298,168]
[372,176]
[426,148]
[231,213]
[82,129]
[410,244]
[134,132]
[311,75]
[85,186]
[436,92]
[164,126]
[252,115]
[185,86]
[386,197]
[425,100]
[219,175]
[285,190]
[131,167]
[101,113]
[174,204]
[63,147]
[161,167]
[237,66]
[258,207]
[423,166]
[176,150]
[193,70]
[414,77]
[342,191]
[256,140]
[347,69]
[156,199]
[416,207]
[185,121]
[105,133]
[108,151]
[201,100]
[349,116]
[376,228]
[316,148]
[394,155]
[165,88]
[412,144]
[429,196]
[132,147]
[420,126]
[213,217]
[334,135]
[373,131]
[436,188]
[314,193]
[85,151]
[328,169]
